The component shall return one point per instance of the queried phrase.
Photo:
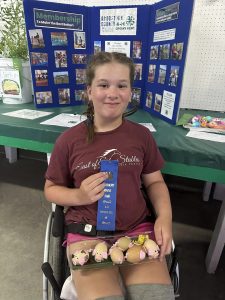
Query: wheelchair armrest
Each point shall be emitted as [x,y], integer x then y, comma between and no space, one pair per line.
[58,222]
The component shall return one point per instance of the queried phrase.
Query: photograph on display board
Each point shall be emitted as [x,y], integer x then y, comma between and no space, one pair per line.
[97,46]
[59,39]
[151,73]
[64,96]
[136,95]
[162,74]
[154,52]
[158,102]
[149,97]
[174,74]
[164,51]
[61,77]
[44,97]
[177,51]
[80,95]
[80,76]
[79,40]
[137,71]
[60,58]
[39,59]
[36,38]
[79,58]
[41,77]
[137,49]
[167,13]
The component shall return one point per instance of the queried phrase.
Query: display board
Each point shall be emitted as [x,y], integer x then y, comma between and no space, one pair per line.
[61,40]
[168,40]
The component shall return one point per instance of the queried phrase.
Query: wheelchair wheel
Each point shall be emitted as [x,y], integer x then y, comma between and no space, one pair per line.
[57,256]
[54,254]
[57,259]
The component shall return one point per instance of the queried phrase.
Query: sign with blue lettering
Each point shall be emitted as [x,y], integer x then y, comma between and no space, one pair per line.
[106,216]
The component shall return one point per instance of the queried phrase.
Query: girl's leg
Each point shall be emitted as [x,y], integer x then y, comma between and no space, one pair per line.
[95,283]
[147,280]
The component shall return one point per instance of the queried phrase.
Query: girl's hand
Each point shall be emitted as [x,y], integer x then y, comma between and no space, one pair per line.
[163,235]
[92,188]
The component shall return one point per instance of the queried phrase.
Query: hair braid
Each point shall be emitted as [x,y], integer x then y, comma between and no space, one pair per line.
[90,121]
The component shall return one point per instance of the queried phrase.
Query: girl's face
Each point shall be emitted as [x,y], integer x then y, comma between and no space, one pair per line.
[110,92]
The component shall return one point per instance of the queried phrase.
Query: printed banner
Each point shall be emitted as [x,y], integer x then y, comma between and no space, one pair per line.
[57,19]
[121,21]
[168,13]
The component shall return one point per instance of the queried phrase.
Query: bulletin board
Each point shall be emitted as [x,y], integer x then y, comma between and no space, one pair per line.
[170,23]
[59,49]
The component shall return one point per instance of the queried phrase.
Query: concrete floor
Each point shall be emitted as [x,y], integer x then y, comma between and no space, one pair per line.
[23,216]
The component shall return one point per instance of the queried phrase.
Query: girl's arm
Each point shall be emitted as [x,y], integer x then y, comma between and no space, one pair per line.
[90,191]
[159,195]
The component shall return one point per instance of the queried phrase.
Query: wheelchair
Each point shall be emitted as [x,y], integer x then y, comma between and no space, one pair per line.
[55,266]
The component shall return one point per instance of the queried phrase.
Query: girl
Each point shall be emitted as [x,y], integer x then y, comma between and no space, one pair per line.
[73,179]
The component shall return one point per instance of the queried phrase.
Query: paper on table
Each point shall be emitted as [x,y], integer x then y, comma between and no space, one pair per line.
[65,120]
[149,126]
[206,136]
[27,114]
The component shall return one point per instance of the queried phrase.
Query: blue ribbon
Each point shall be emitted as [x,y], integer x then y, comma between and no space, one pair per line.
[106,216]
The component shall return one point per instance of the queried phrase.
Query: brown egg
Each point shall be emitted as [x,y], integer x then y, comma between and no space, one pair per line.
[123,243]
[116,255]
[135,254]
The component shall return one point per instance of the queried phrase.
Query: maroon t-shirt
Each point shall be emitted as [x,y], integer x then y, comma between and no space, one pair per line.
[73,160]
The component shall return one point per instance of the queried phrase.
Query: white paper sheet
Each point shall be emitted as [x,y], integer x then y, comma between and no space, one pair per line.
[27,114]
[65,120]
[149,126]
[206,136]
[168,102]
[118,46]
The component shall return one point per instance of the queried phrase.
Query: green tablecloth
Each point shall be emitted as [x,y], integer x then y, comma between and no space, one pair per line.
[172,141]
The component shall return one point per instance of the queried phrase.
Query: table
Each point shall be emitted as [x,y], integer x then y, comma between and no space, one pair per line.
[186,157]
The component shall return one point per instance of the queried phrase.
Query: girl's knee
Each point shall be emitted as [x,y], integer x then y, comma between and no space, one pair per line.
[150,291]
